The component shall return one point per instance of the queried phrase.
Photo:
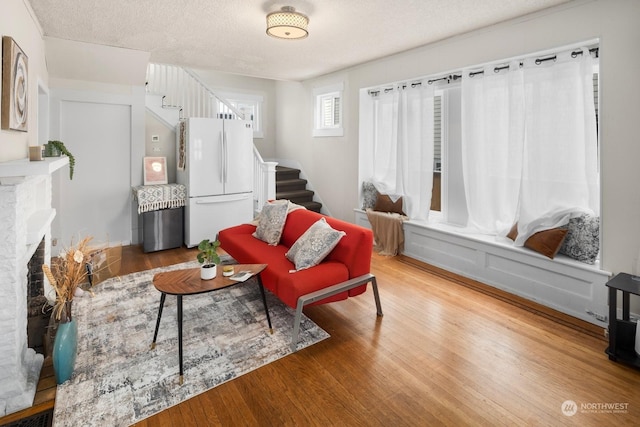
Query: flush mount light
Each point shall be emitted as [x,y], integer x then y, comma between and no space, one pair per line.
[287,24]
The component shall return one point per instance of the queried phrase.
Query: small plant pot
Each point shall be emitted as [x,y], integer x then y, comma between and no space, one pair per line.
[51,150]
[208,271]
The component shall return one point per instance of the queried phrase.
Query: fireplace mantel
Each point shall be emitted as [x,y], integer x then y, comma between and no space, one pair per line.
[26,213]
[15,171]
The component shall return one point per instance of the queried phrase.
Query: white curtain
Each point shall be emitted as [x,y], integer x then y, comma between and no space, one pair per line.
[403,157]
[530,145]
[492,130]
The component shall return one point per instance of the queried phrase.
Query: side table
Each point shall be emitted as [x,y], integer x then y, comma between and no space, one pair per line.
[622,332]
[187,282]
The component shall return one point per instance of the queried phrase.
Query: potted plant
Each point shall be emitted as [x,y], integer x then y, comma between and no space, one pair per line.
[208,257]
[54,148]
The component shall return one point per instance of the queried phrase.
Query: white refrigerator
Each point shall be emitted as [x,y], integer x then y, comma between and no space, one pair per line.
[215,163]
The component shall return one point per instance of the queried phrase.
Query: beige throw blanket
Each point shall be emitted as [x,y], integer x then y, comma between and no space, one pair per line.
[387,231]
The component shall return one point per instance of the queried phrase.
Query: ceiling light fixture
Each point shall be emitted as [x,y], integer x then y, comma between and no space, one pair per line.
[287,24]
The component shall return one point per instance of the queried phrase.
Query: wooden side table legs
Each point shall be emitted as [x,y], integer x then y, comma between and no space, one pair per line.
[264,302]
[180,336]
[155,334]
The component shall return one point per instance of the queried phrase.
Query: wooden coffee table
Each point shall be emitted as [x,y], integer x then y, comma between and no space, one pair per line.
[188,282]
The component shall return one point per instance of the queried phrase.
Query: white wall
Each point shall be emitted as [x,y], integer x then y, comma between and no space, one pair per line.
[335,160]
[225,82]
[330,163]
[164,147]
[16,21]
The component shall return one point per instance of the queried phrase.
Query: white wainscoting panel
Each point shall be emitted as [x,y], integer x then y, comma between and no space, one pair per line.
[563,284]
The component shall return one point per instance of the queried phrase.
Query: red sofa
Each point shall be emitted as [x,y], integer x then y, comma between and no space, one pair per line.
[343,273]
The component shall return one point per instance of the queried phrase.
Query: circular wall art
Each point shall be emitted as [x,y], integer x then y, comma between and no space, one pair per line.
[15,89]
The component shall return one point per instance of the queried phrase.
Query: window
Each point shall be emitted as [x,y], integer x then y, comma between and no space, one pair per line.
[249,105]
[328,111]
[479,187]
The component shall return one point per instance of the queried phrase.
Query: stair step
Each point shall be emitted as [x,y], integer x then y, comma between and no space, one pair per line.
[290,184]
[285,173]
[312,206]
[296,196]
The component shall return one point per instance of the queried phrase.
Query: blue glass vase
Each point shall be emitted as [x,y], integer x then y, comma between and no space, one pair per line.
[65,348]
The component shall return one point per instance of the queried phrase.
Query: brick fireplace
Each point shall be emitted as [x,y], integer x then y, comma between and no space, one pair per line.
[26,215]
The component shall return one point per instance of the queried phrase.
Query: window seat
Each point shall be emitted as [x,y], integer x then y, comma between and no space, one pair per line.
[562,283]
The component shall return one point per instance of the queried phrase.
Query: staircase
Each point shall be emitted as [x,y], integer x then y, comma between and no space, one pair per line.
[290,186]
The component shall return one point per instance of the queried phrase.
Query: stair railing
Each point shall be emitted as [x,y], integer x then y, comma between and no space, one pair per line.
[184,90]
[264,176]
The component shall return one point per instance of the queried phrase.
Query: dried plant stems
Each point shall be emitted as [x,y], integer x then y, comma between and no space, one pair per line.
[67,273]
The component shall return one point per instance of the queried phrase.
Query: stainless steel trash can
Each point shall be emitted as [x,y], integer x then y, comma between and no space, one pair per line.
[162,229]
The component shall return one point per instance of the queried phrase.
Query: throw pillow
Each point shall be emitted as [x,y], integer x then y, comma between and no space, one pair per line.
[583,239]
[369,194]
[547,242]
[271,222]
[385,204]
[314,245]
[513,233]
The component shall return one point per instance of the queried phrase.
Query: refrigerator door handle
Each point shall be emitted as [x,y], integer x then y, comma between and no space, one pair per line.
[226,158]
[222,162]
[226,199]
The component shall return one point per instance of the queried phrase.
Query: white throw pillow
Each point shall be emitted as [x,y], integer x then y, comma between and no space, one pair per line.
[314,245]
[271,222]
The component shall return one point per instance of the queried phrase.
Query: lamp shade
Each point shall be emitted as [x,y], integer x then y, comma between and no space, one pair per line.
[287,24]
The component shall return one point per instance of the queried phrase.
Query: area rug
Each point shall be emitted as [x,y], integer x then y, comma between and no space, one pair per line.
[119,380]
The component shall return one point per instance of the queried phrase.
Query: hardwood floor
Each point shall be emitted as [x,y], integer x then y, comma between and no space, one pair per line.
[448,351]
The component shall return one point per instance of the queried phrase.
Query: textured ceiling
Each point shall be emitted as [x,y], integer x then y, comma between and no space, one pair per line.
[229,35]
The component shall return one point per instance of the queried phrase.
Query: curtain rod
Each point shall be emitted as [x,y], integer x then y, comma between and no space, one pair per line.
[497,69]
[537,61]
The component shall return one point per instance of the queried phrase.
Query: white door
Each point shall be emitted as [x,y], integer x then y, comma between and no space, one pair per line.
[97,202]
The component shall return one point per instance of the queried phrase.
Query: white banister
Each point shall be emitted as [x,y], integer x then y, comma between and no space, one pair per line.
[264,175]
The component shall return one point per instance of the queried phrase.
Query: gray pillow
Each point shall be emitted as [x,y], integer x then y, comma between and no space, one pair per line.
[583,239]
[314,245]
[369,194]
[271,222]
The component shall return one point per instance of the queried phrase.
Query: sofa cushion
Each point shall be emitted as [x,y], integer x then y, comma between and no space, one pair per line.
[292,286]
[314,245]
[583,239]
[385,204]
[271,222]
[369,195]
[546,242]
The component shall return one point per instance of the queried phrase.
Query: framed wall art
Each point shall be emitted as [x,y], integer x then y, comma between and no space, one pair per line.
[155,170]
[15,88]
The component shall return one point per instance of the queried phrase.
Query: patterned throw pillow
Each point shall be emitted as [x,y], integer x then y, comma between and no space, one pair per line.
[314,245]
[369,194]
[271,222]
[583,239]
